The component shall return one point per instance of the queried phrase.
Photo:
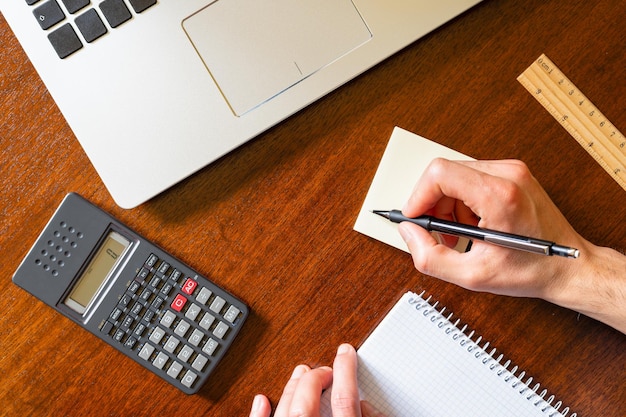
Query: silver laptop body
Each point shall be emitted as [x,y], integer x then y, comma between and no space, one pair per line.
[158,89]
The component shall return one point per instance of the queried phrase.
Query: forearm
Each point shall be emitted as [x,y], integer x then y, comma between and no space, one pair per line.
[597,286]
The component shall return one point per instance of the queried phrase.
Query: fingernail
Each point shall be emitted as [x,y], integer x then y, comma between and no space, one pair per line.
[257,403]
[344,348]
[405,232]
[299,371]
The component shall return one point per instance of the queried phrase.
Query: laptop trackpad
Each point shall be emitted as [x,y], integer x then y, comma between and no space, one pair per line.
[255,50]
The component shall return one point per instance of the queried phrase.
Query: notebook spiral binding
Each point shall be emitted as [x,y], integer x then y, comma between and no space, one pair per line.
[488,358]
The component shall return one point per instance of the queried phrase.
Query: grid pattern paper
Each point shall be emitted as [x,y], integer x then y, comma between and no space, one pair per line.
[417,363]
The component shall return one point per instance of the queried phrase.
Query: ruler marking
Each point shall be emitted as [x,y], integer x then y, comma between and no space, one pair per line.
[578,115]
[586,134]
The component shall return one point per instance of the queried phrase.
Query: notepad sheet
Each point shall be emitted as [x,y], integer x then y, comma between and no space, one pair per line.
[417,363]
[406,157]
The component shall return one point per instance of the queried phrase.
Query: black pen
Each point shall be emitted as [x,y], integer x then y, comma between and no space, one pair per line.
[507,240]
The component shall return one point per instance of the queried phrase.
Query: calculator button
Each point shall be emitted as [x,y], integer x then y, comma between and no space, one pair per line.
[203,295]
[139,329]
[193,312]
[157,335]
[148,316]
[171,344]
[106,327]
[199,363]
[160,360]
[126,323]
[115,314]
[178,303]
[157,302]
[155,282]
[189,286]
[220,330]
[210,346]
[125,300]
[207,321]
[167,319]
[231,314]
[136,310]
[130,342]
[196,337]
[152,260]
[134,287]
[119,335]
[146,294]
[182,328]
[146,351]
[175,275]
[189,379]
[185,353]
[167,287]
[163,268]
[143,274]
[174,370]
[217,304]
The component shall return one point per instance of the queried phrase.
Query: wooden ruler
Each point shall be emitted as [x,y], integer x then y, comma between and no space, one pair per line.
[579,116]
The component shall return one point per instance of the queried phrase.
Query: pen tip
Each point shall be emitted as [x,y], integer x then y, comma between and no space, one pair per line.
[383,213]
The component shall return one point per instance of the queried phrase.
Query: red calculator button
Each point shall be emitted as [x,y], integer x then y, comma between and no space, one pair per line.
[179,302]
[189,286]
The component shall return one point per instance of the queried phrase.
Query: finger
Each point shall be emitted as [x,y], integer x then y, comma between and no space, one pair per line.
[464,214]
[306,397]
[500,168]
[285,399]
[432,258]
[440,185]
[472,182]
[261,407]
[472,270]
[345,394]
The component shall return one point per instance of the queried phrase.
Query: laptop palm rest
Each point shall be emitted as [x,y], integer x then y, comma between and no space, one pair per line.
[255,50]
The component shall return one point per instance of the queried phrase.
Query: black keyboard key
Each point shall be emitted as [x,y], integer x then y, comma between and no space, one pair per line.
[90,25]
[65,41]
[31,2]
[115,12]
[48,14]
[141,5]
[73,6]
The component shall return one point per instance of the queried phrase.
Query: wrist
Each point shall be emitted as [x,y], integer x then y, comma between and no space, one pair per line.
[595,285]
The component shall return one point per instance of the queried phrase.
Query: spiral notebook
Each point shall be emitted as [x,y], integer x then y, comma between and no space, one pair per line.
[417,362]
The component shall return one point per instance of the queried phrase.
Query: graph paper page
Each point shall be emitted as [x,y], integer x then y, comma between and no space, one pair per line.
[412,365]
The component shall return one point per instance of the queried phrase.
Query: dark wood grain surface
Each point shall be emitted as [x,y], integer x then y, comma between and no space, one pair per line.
[272,221]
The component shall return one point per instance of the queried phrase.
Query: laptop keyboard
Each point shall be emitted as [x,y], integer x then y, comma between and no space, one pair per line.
[85,22]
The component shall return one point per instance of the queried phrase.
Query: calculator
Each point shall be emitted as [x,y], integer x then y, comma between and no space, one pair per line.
[130,293]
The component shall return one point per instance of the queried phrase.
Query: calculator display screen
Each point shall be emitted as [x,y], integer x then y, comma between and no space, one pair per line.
[99,269]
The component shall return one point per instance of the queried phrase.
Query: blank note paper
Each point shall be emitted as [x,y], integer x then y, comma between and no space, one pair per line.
[418,363]
[407,155]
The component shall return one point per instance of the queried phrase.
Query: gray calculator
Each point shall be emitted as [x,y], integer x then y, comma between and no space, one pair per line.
[131,294]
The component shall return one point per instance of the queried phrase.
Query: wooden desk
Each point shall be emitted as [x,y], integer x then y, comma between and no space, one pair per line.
[272,221]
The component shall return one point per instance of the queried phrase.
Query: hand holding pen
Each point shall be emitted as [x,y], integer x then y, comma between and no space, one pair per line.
[503,196]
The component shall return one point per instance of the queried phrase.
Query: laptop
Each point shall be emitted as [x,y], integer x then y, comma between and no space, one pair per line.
[155,90]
